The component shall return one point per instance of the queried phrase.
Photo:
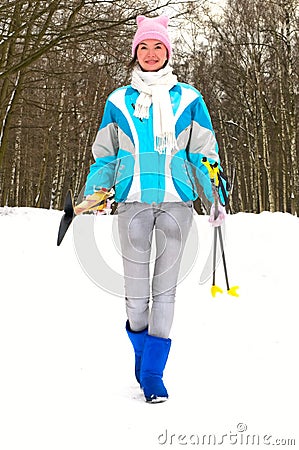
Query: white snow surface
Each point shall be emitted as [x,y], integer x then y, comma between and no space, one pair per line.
[67,366]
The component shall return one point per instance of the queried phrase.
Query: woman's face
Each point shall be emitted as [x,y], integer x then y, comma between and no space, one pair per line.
[151,55]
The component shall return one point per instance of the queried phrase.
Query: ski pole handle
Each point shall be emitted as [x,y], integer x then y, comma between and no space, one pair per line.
[213,171]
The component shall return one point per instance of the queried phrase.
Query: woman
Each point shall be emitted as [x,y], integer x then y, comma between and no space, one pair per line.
[152,138]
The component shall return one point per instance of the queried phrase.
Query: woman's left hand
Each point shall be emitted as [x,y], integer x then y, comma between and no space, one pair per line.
[219,220]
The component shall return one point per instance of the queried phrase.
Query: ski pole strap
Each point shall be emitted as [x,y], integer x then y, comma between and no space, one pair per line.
[222,188]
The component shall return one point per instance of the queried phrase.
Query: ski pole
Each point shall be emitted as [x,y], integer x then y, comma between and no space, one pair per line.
[213,171]
[215,288]
[230,290]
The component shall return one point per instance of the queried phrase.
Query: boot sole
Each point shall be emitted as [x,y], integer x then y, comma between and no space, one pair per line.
[156,400]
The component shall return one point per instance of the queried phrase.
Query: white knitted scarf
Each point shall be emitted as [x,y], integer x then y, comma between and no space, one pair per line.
[154,89]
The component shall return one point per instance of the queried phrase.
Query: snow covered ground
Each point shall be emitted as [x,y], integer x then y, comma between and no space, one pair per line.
[66,364]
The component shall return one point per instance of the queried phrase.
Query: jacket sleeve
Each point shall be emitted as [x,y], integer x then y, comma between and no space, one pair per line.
[104,149]
[203,143]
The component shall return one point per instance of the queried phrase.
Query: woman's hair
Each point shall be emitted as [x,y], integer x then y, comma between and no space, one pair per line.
[133,61]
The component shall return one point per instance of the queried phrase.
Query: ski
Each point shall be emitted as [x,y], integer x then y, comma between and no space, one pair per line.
[94,202]
[67,217]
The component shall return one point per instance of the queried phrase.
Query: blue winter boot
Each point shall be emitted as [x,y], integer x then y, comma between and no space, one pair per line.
[137,338]
[154,358]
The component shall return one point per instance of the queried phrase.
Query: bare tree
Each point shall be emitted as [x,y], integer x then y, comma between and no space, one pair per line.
[55,56]
[246,66]
[60,59]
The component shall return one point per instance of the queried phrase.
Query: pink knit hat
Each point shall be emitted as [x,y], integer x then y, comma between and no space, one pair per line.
[152,28]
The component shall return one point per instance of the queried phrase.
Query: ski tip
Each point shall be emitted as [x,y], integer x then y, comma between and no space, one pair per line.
[67,217]
[63,227]
[69,203]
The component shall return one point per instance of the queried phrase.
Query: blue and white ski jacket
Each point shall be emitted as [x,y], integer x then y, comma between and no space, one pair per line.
[126,160]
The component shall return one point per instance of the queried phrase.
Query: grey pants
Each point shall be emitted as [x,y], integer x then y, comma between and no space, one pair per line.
[168,224]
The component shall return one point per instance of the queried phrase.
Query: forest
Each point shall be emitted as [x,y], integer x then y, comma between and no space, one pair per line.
[60,59]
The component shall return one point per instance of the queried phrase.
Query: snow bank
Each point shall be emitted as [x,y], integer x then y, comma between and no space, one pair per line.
[67,378]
